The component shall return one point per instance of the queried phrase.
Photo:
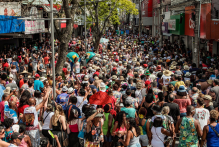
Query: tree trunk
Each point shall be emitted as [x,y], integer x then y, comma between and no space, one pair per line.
[97,42]
[61,57]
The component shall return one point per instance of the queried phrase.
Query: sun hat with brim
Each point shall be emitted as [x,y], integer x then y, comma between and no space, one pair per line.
[172,67]
[121,78]
[25,72]
[207,97]
[167,73]
[210,82]
[188,74]
[174,63]
[186,67]
[7,90]
[181,89]
[42,79]
[156,108]
[147,73]
[98,114]
[114,77]
[139,85]
[210,70]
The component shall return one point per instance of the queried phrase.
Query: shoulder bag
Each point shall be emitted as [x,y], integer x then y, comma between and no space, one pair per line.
[214,130]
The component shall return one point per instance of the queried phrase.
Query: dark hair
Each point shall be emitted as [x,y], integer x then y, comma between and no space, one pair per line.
[115,86]
[37,94]
[8,122]
[158,121]
[129,92]
[3,76]
[72,115]
[143,111]
[88,112]
[216,81]
[30,83]
[200,101]
[82,92]
[73,99]
[132,123]
[181,93]
[106,108]
[25,80]
[119,118]
[26,93]
[22,128]
[44,142]
[159,75]
[23,101]
[160,96]
[149,98]
[85,107]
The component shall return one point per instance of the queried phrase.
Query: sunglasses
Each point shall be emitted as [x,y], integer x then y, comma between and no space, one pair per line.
[2,133]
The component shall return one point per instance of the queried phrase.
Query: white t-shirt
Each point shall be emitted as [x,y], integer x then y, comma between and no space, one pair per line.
[47,117]
[31,111]
[138,95]
[77,67]
[80,100]
[202,115]
[166,79]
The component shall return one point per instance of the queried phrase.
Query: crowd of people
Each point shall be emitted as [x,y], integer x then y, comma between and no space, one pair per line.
[132,93]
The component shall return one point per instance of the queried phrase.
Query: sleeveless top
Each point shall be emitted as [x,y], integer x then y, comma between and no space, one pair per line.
[58,127]
[105,125]
[143,128]
[134,140]
[212,138]
[74,128]
[188,134]
[157,137]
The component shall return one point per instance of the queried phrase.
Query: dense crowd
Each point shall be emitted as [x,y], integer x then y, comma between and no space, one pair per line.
[132,93]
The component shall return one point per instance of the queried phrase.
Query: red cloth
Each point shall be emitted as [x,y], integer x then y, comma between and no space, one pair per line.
[21,83]
[5,65]
[96,73]
[65,71]
[21,109]
[2,107]
[46,60]
[19,59]
[100,98]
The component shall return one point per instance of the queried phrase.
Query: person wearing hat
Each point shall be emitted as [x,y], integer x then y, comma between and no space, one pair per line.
[186,69]
[128,109]
[63,98]
[16,139]
[12,84]
[208,104]
[37,83]
[166,77]
[102,87]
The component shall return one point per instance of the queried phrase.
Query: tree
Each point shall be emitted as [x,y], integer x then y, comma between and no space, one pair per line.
[64,35]
[105,13]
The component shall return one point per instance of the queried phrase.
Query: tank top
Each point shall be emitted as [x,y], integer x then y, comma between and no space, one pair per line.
[212,138]
[74,128]
[58,127]
[105,125]
[157,137]
[134,140]
[23,143]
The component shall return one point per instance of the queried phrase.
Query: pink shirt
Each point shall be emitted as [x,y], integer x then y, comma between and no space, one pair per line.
[2,107]
[183,103]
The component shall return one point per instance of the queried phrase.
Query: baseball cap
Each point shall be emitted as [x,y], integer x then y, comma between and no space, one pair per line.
[11,76]
[70,90]
[64,89]
[147,82]
[117,60]
[37,76]
[114,68]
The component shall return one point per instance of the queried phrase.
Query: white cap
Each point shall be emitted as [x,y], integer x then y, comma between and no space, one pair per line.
[11,76]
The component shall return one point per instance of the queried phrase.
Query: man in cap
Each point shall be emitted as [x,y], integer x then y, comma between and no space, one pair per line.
[37,83]
[11,84]
[63,98]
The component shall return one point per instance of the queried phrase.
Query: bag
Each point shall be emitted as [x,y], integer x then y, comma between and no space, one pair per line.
[214,130]
[81,135]
[166,142]
[45,117]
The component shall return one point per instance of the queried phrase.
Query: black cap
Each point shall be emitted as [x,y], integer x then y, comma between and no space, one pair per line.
[16,135]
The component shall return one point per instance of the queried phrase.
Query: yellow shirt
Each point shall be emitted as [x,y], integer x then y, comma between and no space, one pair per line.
[179,83]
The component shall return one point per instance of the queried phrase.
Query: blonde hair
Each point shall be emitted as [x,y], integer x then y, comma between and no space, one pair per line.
[214,114]
[55,117]
[165,110]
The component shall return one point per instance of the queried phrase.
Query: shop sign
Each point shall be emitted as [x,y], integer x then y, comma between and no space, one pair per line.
[172,24]
[37,26]
[189,22]
[165,27]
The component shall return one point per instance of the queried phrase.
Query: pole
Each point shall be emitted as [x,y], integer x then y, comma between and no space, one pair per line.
[85,25]
[199,30]
[53,52]
[139,22]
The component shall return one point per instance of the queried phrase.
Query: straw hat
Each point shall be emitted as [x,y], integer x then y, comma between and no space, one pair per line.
[25,72]
[167,73]
[210,70]
[188,74]
[186,67]
[7,90]
[134,59]
[172,67]
[174,63]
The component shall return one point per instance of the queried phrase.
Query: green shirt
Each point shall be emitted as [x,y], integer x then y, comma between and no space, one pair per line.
[173,83]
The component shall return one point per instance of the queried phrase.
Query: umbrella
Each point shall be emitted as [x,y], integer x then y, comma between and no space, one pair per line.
[90,56]
[115,53]
[72,56]
[104,40]
[100,98]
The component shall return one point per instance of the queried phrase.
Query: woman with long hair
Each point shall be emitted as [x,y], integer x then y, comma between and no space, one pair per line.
[133,135]
[46,121]
[73,127]
[120,128]
[58,124]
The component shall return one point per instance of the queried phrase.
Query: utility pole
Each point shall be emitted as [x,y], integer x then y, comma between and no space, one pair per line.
[195,50]
[139,22]
[85,26]
[161,19]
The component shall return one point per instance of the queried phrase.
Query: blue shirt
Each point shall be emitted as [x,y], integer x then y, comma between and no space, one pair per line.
[63,100]
[38,84]
[2,88]
[73,107]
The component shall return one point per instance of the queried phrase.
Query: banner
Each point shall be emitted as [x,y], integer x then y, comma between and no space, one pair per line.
[165,27]
[189,22]
[32,27]
[172,24]
[10,8]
